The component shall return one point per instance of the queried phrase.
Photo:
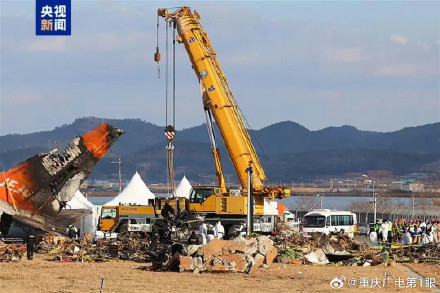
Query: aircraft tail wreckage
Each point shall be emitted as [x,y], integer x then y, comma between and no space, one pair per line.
[35,191]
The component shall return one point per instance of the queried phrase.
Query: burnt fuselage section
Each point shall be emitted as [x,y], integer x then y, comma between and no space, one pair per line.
[37,189]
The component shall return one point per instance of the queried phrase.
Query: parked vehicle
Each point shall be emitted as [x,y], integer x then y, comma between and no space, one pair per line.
[127,218]
[289,219]
[330,221]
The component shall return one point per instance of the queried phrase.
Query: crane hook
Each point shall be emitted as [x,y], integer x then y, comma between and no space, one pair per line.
[157,59]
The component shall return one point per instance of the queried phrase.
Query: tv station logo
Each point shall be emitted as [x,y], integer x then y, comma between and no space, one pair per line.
[53,17]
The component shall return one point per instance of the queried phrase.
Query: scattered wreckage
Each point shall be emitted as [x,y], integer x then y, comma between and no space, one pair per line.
[11,252]
[340,249]
[241,255]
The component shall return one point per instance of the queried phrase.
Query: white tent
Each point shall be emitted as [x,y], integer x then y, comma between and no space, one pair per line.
[184,188]
[75,209]
[79,202]
[136,192]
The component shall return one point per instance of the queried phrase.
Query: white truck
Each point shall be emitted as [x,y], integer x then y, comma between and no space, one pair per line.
[290,220]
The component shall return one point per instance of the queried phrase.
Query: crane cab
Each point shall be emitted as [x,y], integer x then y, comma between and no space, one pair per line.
[202,198]
[208,199]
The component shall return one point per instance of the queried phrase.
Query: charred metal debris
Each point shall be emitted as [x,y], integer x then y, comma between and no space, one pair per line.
[161,251]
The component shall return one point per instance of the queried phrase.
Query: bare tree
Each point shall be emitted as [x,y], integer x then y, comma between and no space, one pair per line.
[305,203]
[385,203]
[423,201]
[360,206]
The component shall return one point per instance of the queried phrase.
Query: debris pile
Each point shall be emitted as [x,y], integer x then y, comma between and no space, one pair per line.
[318,249]
[339,248]
[337,241]
[127,247]
[321,249]
[11,252]
[342,242]
[415,253]
[47,242]
[237,255]
[288,238]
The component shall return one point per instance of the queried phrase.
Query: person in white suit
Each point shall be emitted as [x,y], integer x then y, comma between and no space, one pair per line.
[219,230]
[203,231]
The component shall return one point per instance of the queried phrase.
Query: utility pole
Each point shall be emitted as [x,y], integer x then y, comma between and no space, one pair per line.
[320,198]
[374,205]
[250,202]
[413,214]
[119,162]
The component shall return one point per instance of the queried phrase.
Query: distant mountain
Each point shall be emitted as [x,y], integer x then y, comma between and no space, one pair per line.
[287,149]
[290,137]
[138,135]
[328,162]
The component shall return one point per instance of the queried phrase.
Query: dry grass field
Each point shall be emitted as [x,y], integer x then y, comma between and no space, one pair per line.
[44,275]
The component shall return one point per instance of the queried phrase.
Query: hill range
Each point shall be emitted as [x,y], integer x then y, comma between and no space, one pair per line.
[287,150]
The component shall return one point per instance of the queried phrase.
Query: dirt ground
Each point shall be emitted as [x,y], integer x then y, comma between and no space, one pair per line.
[44,275]
[430,270]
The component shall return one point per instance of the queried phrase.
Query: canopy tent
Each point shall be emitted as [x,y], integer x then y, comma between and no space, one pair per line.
[136,192]
[79,202]
[80,212]
[184,188]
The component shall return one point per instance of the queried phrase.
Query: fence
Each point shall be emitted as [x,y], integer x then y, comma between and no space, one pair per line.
[366,215]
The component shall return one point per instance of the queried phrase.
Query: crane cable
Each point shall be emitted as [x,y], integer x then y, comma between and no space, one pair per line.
[260,146]
[174,74]
[157,54]
[166,74]
[170,131]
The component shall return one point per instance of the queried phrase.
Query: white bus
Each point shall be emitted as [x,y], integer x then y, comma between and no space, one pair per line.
[329,221]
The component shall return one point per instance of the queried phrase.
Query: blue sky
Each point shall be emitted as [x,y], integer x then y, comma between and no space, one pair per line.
[373,65]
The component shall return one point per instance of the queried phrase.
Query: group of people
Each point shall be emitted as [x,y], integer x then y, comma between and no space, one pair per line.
[405,232]
[217,232]
[207,235]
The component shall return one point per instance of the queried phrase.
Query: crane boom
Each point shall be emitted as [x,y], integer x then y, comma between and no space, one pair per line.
[219,102]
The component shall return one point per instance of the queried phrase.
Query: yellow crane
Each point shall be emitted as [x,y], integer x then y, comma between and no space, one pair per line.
[219,103]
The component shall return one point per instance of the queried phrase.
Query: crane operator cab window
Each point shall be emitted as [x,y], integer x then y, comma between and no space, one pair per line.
[200,195]
[108,214]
